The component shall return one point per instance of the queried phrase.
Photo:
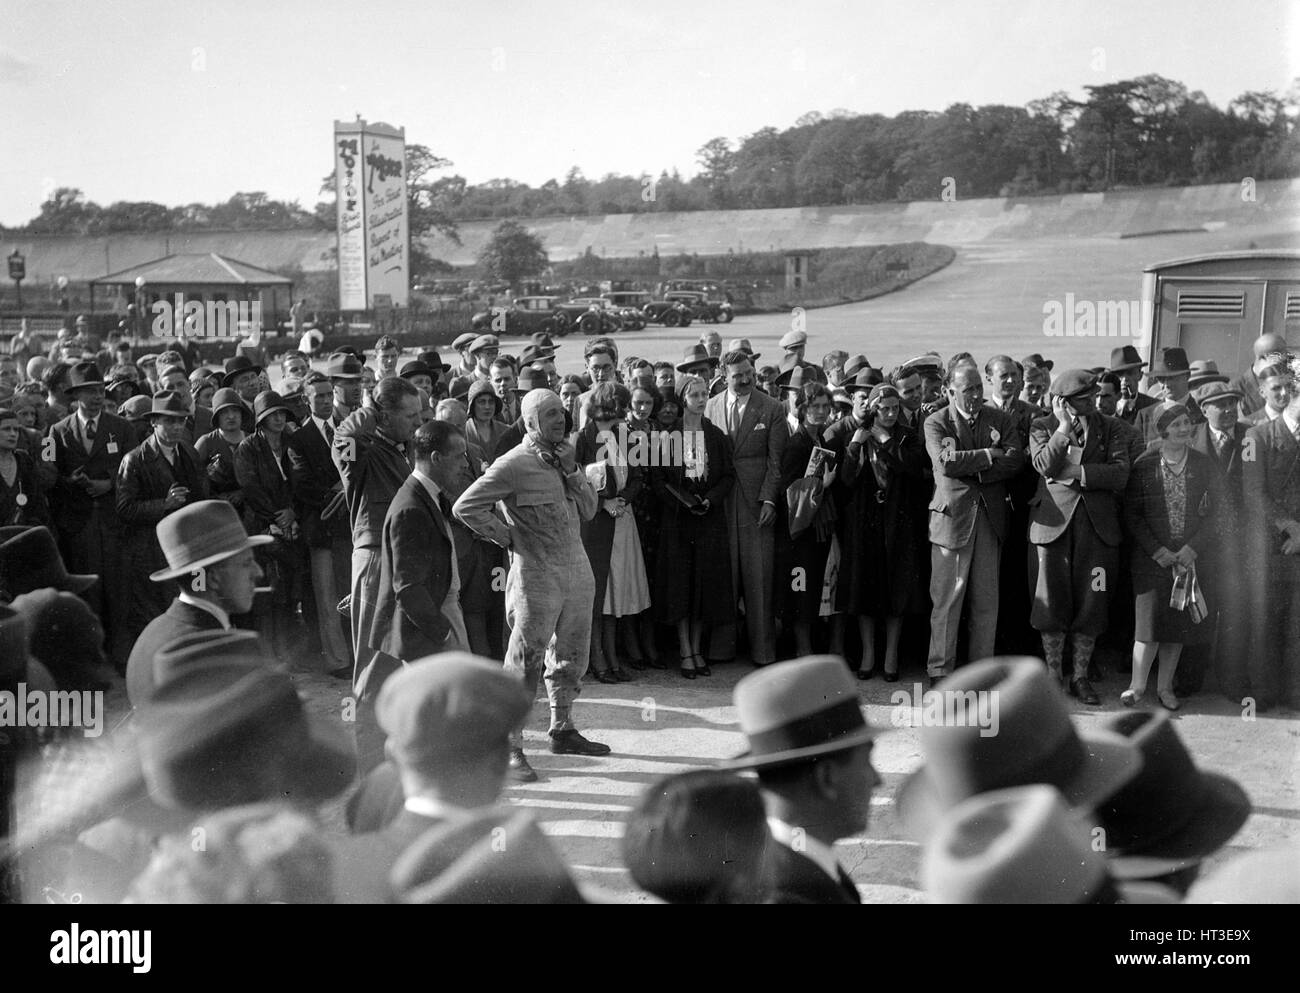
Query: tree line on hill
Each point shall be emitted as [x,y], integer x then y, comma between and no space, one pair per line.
[1146,131]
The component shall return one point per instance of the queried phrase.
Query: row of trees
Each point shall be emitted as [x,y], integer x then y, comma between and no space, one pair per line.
[1138,132]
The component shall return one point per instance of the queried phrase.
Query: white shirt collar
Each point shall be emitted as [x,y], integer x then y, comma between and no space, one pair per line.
[321,424]
[428,484]
[1272,414]
[207,605]
[85,421]
[818,851]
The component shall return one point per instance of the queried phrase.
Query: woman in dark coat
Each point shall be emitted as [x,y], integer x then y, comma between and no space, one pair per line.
[600,441]
[801,558]
[22,497]
[264,473]
[1171,510]
[692,585]
[231,420]
[882,563]
[643,427]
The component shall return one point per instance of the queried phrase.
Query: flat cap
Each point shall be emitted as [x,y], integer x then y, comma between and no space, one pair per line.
[793,339]
[1074,383]
[449,707]
[484,341]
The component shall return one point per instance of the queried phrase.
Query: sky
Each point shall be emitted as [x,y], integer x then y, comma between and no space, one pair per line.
[177,101]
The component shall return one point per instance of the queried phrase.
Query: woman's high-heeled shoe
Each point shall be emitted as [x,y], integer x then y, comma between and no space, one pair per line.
[688,666]
[701,667]
[1168,700]
[1130,698]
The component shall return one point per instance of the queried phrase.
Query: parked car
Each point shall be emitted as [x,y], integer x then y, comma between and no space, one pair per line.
[702,308]
[669,313]
[525,316]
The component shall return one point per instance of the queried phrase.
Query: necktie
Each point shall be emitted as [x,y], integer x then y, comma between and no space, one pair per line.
[445,506]
[1080,433]
[90,435]
[1220,445]
[733,424]
[329,433]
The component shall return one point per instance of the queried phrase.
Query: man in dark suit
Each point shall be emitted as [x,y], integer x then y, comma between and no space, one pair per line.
[1005,379]
[447,720]
[974,451]
[816,786]
[1267,348]
[199,423]
[87,448]
[1127,364]
[210,560]
[159,476]
[1272,487]
[755,423]
[1082,458]
[318,488]
[1275,380]
[1172,373]
[1226,580]
[418,612]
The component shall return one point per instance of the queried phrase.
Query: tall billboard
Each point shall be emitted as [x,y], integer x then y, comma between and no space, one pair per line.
[370,179]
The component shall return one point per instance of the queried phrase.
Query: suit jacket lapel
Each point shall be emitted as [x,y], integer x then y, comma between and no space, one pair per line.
[747,420]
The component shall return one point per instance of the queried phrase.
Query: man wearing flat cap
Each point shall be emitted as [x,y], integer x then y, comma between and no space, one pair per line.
[1082,458]
[447,719]
[549,589]
[794,344]
[160,476]
[483,350]
[465,366]
[811,748]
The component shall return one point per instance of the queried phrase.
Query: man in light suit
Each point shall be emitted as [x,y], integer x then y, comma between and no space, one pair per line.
[1272,488]
[1082,459]
[755,424]
[974,450]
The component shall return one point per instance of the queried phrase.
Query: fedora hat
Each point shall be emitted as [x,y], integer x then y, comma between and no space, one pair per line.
[497,856]
[341,365]
[532,353]
[1215,391]
[866,378]
[1172,814]
[531,379]
[169,403]
[433,360]
[1124,358]
[30,560]
[1036,742]
[1205,371]
[854,364]
[216,722]
[743,345]
[201,534]
[792,379]
[1036,359]
[84,375]
[417,368]
[798,710]
[237,366]
[1172,362]
[1022,845]
[693,355]
[269,401]
[542,341]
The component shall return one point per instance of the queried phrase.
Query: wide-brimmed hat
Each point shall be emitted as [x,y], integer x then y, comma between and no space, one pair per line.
[693,355]
[1036,359]
[463,341]
[1035,742]
[542,341]
[433,360]
[793,339]
[216,721]
[1172,362]
[65,636]
[341,365]
[201,534]
[170,403]
[533,354]
[1215,391]
[30,560]
[792,380]
[497,856]
[1074,383]
[1124,358]
[237,366]
[855,364]
[1205,371]
[799,710]
[268,402]
[1172,814]
[866,378]
[84,375]
[1022,845]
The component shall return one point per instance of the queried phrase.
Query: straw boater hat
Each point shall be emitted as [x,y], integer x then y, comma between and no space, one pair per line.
[202,534]
[1022,845]
[1036,742]
[799,710]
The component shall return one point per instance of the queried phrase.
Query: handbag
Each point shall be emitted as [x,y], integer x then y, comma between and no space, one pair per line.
[1186,595]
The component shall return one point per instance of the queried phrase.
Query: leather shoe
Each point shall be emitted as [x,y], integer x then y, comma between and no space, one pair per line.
[1081,688]
[520,770]
[572,743]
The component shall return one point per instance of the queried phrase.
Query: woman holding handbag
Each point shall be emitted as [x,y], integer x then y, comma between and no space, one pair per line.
[1170,512]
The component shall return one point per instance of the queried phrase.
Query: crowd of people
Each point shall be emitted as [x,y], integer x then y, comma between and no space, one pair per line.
[185,524]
